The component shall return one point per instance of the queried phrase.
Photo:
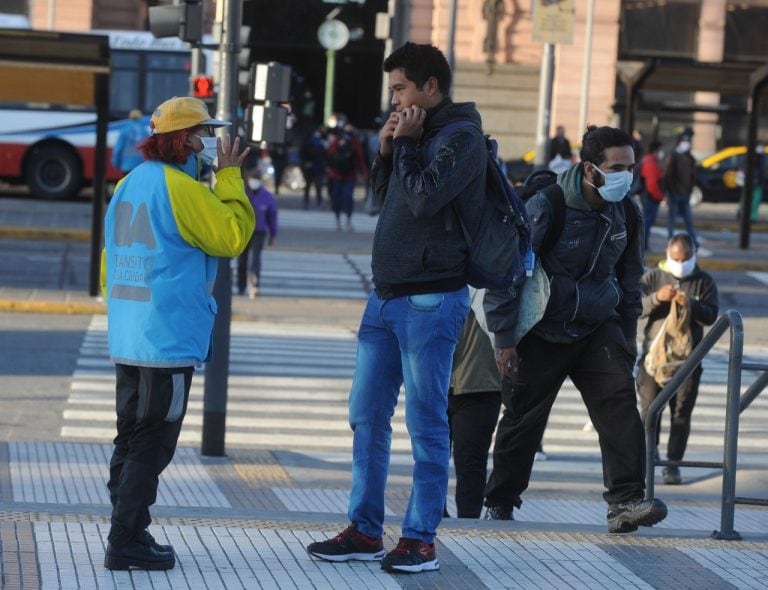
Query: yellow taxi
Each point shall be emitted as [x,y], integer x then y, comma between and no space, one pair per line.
[721,175]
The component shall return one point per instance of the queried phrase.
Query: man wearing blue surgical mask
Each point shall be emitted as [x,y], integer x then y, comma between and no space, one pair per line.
[591,248]
[676,279]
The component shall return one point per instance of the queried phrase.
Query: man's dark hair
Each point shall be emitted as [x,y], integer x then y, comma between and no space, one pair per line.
[685,240]
[420,63]
[654,145]
[597,139]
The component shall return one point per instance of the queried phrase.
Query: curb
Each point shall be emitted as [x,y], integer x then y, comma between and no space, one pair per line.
[44,233]
[52,307]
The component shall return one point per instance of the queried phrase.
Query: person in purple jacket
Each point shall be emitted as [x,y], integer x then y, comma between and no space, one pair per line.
[265,207]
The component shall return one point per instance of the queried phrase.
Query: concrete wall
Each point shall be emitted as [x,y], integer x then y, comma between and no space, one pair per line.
[508,92]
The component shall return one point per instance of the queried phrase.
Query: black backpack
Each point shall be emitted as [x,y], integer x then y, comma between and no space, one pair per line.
[343,159]
[545,181]
[498,247]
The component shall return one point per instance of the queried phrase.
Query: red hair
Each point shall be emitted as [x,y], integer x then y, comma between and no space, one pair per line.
[170,147]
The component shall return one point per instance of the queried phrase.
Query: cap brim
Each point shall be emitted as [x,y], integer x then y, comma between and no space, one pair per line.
[216,123]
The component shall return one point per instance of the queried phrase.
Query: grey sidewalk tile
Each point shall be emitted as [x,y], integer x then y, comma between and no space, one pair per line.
[6,488]
[664,567]
[742,568]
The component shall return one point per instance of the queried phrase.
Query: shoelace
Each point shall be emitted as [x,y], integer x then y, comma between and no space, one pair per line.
[404,546]
[349,531]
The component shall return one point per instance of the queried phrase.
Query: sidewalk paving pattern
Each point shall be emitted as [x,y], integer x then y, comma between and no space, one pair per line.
[242,521]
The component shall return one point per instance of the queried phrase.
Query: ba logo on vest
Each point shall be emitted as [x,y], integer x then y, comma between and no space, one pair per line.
[132,272]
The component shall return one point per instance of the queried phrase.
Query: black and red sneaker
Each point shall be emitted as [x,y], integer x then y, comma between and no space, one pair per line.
[411,556]
[348,544]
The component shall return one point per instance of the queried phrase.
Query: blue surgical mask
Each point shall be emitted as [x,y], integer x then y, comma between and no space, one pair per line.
[616,185]
[209,152]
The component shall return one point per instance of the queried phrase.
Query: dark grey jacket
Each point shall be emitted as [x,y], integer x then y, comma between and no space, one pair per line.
[594,269]
[701,291]
[418,246]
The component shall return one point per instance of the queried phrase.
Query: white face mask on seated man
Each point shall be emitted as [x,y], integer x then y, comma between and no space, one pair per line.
[681,269]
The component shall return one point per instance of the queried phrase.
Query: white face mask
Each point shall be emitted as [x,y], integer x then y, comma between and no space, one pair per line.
[680,270]
[209,152]
[661,154]
[683,147]
[616,185]
[254,184]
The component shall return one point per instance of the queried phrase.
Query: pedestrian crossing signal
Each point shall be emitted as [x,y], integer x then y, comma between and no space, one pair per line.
[202,87]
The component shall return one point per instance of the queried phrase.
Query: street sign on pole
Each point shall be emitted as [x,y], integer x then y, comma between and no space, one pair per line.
[333,35]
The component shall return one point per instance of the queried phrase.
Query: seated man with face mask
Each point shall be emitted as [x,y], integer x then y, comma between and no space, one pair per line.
[677,279]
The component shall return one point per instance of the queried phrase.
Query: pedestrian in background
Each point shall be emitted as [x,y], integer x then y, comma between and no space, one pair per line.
[346,164]
[414,317]
[651,195]
[559,145]
[265,208]
[163,233]
[677,279]
[126,155]
[474,401]
[313,165]
[679,180]
[587,333]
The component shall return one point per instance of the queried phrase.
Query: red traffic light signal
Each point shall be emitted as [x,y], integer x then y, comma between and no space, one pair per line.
[202,87]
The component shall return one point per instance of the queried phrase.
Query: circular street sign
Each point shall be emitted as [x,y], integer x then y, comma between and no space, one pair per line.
[333,34]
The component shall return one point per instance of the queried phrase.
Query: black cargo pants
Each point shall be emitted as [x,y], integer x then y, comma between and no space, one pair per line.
[151,404]
[600,367]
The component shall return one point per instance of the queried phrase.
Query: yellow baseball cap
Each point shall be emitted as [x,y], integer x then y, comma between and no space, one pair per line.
[182,112]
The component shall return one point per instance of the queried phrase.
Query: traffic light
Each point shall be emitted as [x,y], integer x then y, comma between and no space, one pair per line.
[202,87]
[270,82]
[184,21]
[268,85]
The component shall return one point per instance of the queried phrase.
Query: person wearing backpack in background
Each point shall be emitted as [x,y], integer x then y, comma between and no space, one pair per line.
[587,333]
[677,279]
[651,195]
[414,317]
[345,163]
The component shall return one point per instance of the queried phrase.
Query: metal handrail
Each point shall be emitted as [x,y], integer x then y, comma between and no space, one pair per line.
[734,406]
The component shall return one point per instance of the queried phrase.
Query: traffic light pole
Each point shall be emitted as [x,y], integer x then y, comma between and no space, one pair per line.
[217,370]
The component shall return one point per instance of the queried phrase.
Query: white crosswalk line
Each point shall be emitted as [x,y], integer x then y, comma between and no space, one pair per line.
[314,274]
[288,388]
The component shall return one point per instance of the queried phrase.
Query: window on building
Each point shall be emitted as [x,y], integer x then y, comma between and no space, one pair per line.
[663,28]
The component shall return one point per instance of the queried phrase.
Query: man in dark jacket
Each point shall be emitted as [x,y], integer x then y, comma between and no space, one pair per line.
[679,279]
[679,180]
[587,333]
[414,317]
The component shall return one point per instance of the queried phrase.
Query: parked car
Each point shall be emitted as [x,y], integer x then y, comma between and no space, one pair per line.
[720,176]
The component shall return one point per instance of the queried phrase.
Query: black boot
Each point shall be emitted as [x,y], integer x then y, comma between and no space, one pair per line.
[145,538]
[138,556]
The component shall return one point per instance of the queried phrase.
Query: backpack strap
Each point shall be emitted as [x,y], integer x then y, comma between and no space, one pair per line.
[556,198]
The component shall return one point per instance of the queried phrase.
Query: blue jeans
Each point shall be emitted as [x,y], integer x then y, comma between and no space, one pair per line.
[404,340]
[650,211]
[342,196]
[680,205]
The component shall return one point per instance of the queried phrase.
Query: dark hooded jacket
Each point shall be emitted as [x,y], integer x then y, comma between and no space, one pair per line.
[700,290]
[594,269]
[418,246]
